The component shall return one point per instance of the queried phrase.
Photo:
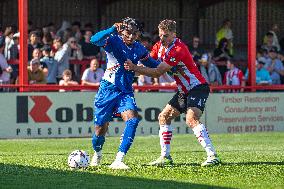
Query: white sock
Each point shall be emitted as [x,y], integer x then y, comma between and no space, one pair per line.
[165,134]
[100,153]
[119,156]
[202,136]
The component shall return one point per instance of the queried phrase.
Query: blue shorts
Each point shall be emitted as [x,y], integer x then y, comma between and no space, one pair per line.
[109,102]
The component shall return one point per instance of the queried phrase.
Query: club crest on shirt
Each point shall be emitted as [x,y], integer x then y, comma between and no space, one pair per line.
[172,59]
[113,69]
[178,69]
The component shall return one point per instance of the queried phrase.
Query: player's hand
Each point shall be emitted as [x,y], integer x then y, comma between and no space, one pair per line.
[128,65]
[119,27]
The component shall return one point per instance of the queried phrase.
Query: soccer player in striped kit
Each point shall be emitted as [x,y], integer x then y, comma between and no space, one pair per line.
[191,97]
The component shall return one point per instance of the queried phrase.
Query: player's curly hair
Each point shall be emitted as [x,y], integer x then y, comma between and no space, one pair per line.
[132,24]
[168,25]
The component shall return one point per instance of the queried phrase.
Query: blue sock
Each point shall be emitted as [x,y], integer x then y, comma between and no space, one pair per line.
[98,142]
[129,134]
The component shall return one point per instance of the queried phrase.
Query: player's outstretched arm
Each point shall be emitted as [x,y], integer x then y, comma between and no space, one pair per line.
[100,38]
[151,72]
[150,62]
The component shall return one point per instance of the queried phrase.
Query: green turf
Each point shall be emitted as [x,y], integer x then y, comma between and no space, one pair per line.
[249,161]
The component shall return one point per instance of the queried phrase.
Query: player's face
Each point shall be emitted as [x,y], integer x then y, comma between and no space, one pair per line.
[129,37]
[166,37]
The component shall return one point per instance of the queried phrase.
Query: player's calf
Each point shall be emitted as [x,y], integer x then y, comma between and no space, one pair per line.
[126,142]
[98,142]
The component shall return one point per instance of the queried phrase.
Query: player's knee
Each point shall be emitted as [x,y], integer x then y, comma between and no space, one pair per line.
[192,116]
[191,122]
[101,130]
[129,114]
[195,112]
[163,118]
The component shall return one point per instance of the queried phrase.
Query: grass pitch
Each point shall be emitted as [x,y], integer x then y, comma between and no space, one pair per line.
[249,161]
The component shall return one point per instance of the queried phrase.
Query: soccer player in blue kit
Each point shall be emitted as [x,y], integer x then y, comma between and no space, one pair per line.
[115,94]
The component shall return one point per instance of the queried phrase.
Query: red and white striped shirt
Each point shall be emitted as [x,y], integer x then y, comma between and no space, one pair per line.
[184,71]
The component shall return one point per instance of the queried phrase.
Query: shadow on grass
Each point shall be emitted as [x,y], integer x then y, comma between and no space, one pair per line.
[186,164]
[253,163]
[175,165]
[222,164]
[19,176]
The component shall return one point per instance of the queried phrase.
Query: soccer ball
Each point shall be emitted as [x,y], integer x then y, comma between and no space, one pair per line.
[78,159]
